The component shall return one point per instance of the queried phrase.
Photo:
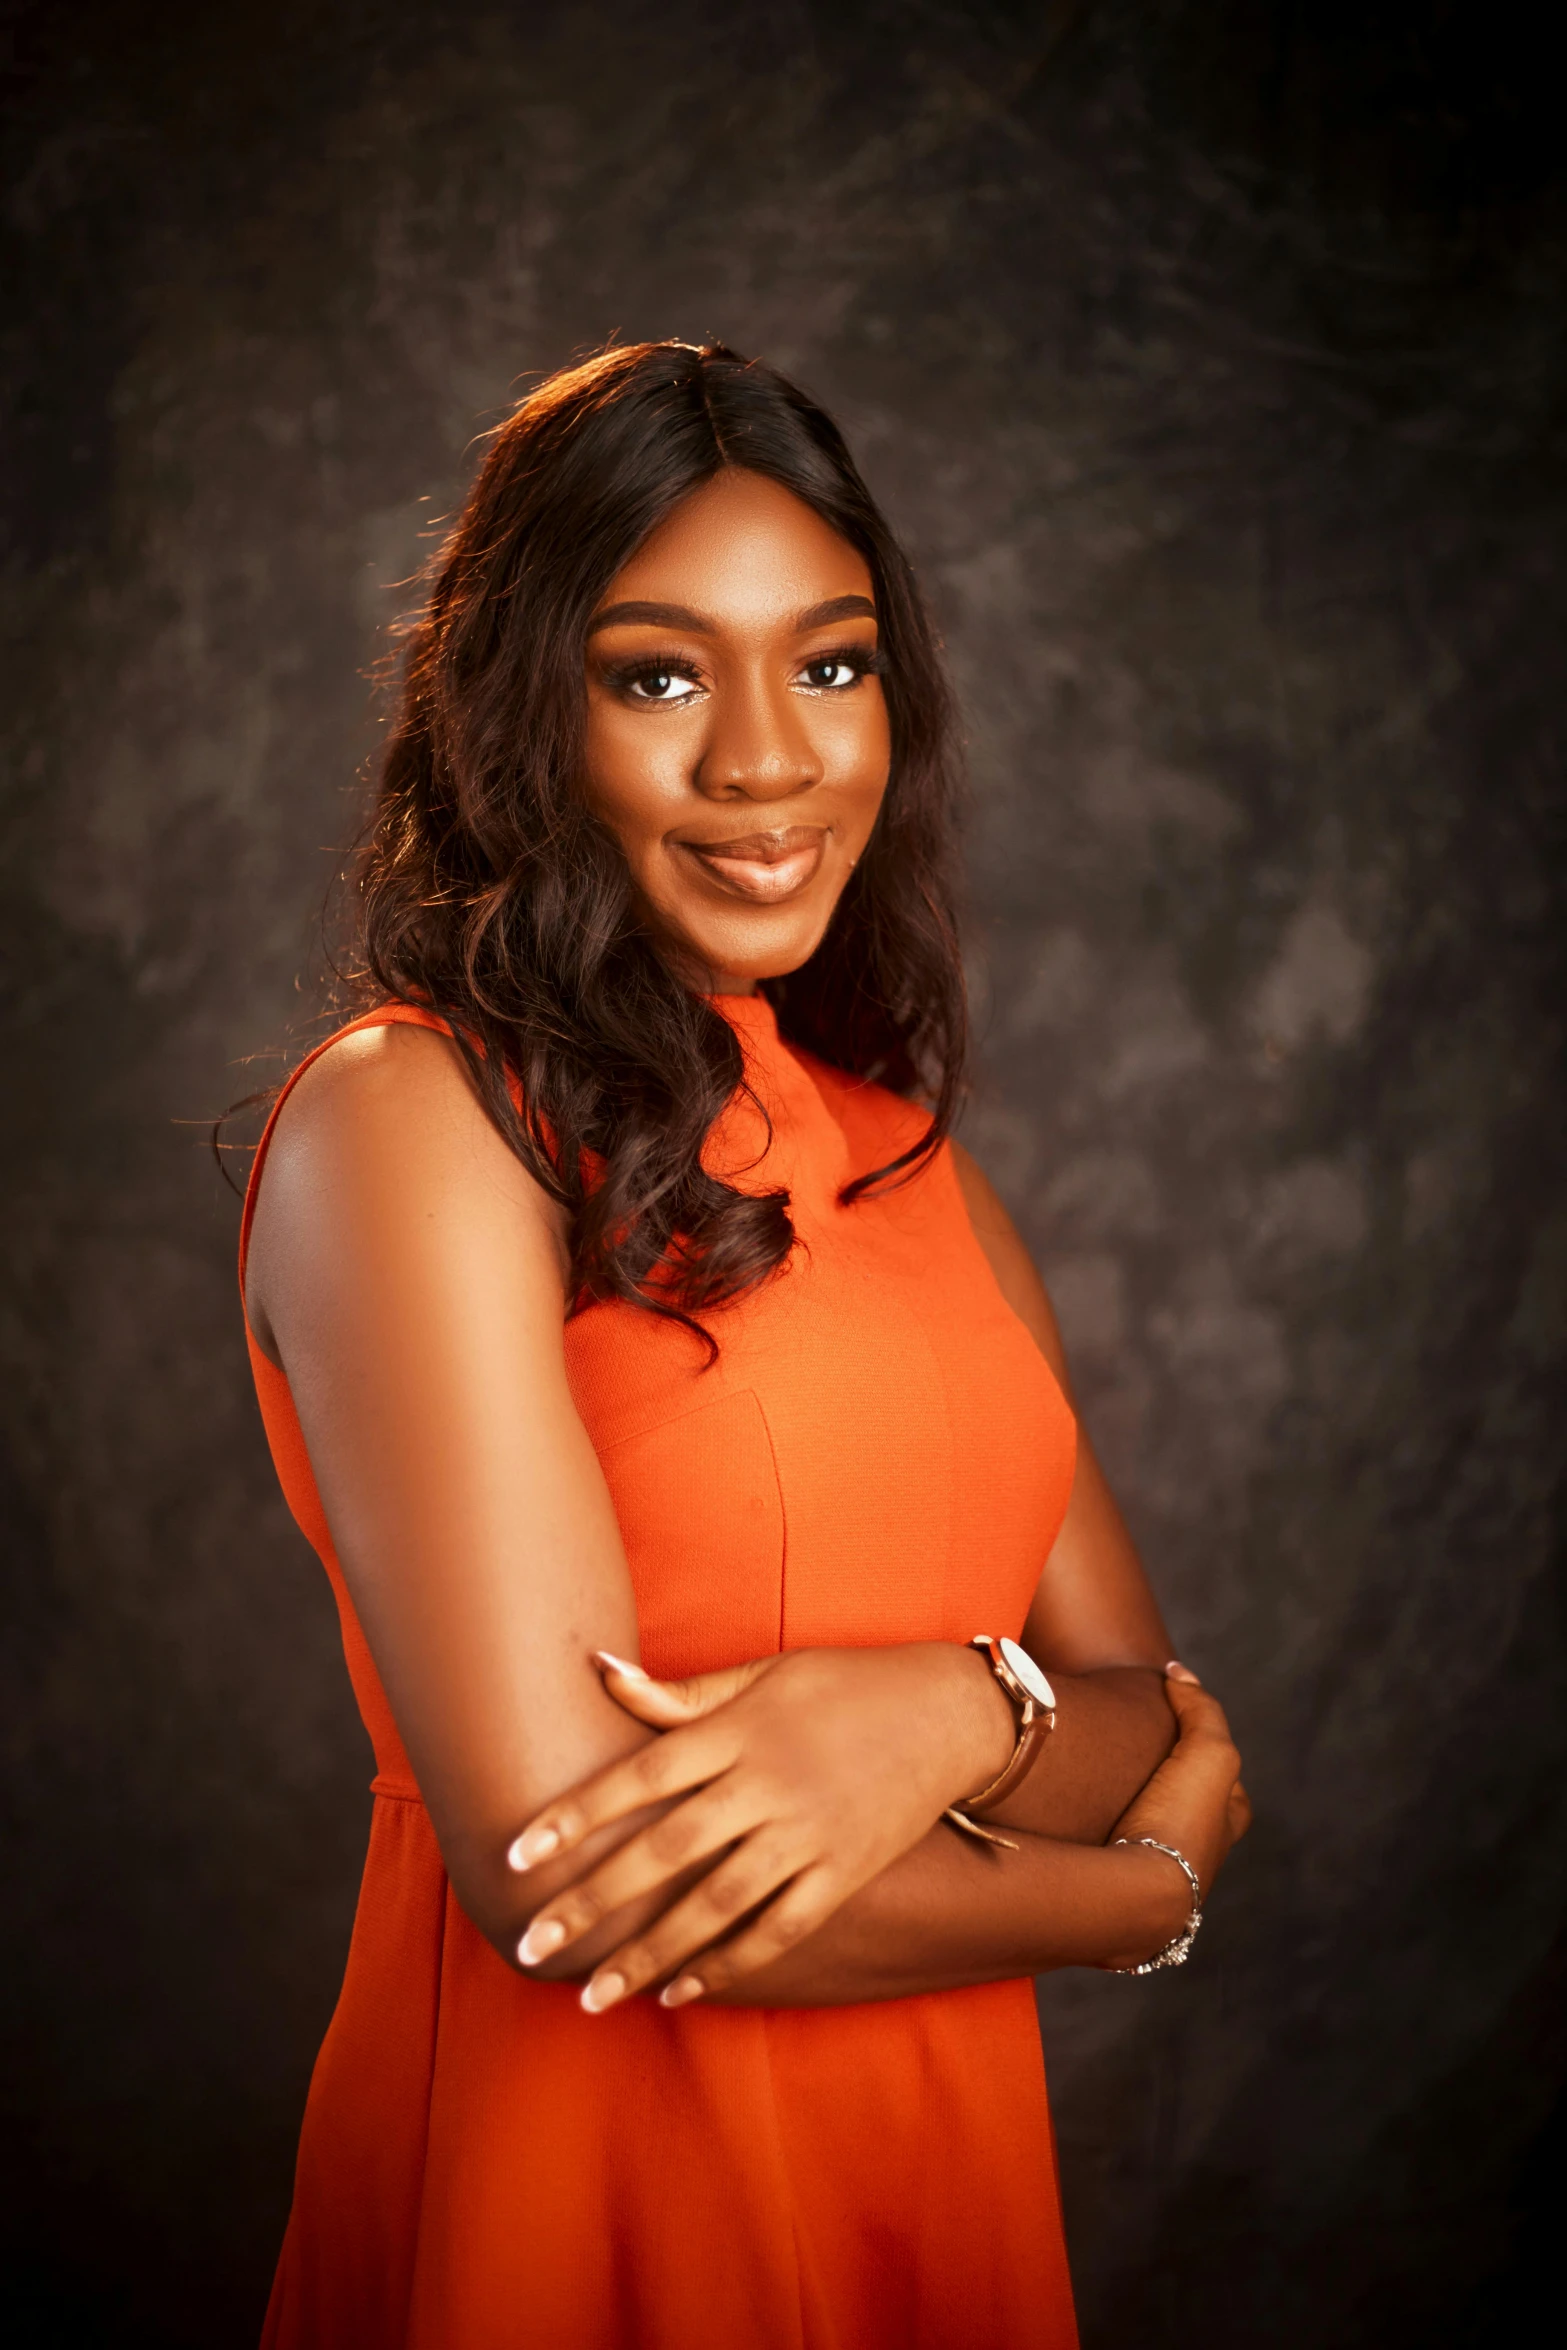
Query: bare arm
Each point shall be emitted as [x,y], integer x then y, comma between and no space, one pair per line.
[408,1275]
[948,1915]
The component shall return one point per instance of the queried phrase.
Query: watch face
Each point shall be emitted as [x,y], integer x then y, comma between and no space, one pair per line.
[1028,1674]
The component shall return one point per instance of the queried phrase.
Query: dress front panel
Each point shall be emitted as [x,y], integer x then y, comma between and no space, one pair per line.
[880,1454]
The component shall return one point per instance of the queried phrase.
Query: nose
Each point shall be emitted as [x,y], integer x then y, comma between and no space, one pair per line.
[758,745]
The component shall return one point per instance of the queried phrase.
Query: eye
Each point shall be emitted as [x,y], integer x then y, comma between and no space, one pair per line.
[658,684]
[832,672]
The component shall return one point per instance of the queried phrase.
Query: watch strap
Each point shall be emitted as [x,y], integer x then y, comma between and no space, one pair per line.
[1035,1723]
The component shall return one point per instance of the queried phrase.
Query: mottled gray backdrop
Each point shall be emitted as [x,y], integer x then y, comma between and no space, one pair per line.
[1211,358]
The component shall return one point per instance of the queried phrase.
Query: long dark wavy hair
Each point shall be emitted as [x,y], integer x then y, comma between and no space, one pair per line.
[488,891]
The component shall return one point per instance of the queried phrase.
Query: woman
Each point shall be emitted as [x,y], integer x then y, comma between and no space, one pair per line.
[616,1291]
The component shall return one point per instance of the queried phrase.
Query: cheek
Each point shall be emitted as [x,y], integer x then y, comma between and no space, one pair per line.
[859,755]
[628,776]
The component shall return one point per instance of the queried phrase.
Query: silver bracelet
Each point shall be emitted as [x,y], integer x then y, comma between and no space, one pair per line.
[1179,1949]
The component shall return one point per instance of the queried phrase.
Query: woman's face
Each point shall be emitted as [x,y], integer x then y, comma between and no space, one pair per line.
[737,738]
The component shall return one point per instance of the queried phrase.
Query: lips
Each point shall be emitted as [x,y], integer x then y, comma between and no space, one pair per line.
[764,867]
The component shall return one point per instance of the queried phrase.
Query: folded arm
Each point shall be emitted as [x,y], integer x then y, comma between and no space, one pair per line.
[949,1914]
[410,1278]
[843,1916]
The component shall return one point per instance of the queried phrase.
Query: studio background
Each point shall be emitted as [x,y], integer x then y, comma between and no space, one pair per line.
[1211,360]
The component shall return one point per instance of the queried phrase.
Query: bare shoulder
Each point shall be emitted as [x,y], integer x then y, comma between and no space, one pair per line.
[384,1134]
[396,1100]
[1017,1276]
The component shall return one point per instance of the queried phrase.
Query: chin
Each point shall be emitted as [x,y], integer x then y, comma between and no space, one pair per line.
[757,950]
[760,945]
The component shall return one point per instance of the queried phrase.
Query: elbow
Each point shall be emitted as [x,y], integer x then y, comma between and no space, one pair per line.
[504,1925]
[501,1905]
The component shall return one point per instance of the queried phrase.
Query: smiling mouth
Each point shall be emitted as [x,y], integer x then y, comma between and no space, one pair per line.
[764,867]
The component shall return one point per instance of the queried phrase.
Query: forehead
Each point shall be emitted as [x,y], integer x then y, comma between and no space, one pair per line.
[745,552]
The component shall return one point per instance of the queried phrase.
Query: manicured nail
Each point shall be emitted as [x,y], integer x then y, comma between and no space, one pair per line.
[532,1845]
[1176,1671]
[682,1991]
[603,1992]
[618,1664]
[543,1936]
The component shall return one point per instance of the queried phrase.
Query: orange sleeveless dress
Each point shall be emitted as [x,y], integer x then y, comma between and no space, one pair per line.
[880,1455]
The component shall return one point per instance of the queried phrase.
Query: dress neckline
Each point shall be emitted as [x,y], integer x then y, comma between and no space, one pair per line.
[752,1015]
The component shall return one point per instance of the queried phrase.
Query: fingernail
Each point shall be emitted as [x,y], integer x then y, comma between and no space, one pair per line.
[543,1936]
[1176,1671]
[603,1992]
[682,1991]
[618,1664]
[532,1845]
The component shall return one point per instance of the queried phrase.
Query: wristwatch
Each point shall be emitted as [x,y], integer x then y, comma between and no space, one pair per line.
[1035,1700]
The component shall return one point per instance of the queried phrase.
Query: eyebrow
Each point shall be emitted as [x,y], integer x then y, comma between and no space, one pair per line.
[681,616]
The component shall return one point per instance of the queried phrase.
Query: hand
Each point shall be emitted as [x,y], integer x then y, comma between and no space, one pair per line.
[1195,1799]
[802,1777]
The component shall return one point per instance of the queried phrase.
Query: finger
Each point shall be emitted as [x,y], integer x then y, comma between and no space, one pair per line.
[665,1704]
[1176,1671]
[1198,1713]
[705,1824]
[804,1905]
[1187,1801]
[709,1911]
[1240,1812]
[672,1765]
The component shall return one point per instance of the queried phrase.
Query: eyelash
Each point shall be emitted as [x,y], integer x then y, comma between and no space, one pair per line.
[855,657]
